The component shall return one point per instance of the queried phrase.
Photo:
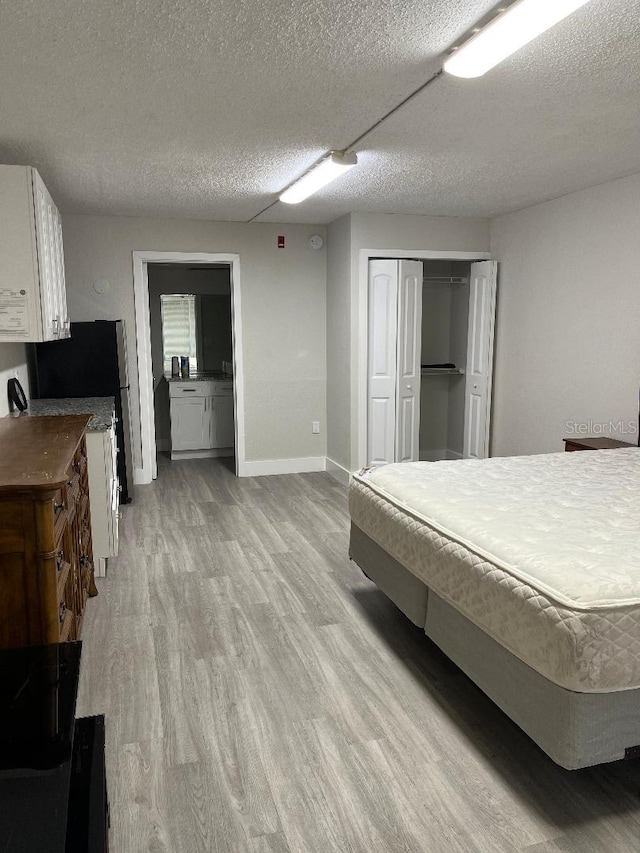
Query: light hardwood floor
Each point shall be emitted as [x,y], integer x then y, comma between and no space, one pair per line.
[262,696]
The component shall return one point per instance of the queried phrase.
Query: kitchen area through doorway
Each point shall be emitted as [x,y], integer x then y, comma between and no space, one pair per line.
[190,312]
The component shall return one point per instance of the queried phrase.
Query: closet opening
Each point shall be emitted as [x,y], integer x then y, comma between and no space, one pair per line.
[430,327]
[443,359]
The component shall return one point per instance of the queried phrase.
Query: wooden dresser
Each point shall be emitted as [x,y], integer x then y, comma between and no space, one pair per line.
[46,558]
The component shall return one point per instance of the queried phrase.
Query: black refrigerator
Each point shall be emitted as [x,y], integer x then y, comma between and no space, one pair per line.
[91,363]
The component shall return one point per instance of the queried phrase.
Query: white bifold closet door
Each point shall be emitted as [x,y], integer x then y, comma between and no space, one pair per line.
[479,372]
[394,348]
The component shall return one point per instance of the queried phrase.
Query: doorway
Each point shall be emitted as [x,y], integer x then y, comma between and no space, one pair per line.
[190,313]
[141,262]
[429,358]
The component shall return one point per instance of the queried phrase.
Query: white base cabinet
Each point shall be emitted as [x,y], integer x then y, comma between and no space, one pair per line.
[201,419]
[33,300]
[104,490]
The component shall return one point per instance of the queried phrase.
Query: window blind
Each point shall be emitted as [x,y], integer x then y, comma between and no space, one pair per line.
[179,329]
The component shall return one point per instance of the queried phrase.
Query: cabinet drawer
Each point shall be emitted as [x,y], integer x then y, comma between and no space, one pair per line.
[190,389]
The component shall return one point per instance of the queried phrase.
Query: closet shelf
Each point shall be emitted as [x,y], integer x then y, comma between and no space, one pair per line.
[442,371]
[444,280]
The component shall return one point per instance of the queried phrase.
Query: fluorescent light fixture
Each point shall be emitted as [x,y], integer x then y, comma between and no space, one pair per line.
[326,171]
[510,31]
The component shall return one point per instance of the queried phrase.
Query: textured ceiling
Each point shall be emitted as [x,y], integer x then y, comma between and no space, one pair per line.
[207,109]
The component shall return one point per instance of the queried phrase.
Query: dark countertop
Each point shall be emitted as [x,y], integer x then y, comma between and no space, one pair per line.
[213,376]
[100,407]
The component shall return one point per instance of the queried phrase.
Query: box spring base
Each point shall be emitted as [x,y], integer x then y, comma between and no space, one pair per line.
[574,729]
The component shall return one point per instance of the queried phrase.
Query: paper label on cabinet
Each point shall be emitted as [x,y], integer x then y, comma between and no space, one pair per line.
[14,315]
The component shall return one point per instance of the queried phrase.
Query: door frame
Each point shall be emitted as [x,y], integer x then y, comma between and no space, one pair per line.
[362,321]
[141,259]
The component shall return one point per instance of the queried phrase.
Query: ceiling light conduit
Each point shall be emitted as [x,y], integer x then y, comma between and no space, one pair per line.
[517,25]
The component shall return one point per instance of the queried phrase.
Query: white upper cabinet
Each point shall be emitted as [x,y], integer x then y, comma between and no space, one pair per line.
[33,297]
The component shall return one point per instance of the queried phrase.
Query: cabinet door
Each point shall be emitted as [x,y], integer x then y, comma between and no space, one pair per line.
[44,212]
[103,494]
[408,376]
[223,433]
[190,423]
[31,259]
[382,361]
[60,282]
[482,310]
[53,293]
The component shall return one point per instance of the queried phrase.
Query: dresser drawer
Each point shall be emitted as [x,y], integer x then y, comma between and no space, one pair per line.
[60,514]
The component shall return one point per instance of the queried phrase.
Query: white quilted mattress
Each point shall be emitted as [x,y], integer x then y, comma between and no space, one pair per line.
[541,552]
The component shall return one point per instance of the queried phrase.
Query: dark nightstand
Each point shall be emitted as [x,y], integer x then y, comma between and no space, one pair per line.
[571,444]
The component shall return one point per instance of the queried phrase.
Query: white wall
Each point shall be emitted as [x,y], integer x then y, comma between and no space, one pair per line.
[283,308]
[568,323]
[339,343]
[13,363]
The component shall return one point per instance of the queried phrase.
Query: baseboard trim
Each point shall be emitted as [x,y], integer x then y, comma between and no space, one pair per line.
[212,453]
[439,455]
[267,467]
[338,472]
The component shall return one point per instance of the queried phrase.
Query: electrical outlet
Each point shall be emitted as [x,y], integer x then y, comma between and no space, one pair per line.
[315,427]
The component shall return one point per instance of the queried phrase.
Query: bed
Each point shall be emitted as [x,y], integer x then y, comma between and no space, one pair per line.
[525,571]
